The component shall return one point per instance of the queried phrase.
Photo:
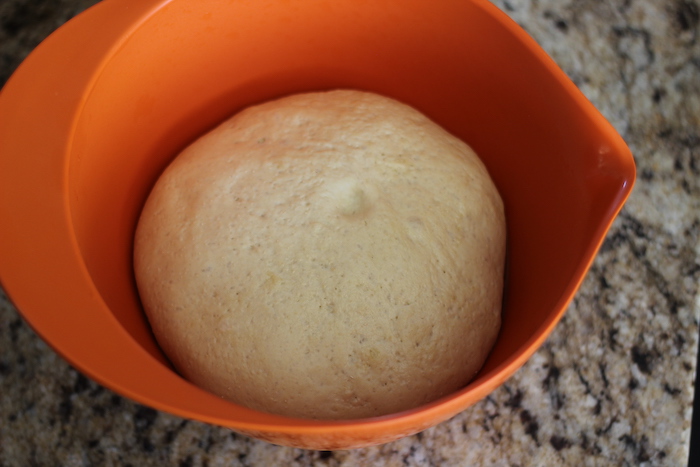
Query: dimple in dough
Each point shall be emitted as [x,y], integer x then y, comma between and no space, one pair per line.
[329,255]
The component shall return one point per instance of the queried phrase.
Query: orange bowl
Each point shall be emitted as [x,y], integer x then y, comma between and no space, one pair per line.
[95,113]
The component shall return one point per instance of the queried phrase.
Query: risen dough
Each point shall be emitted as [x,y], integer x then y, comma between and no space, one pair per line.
[327,255]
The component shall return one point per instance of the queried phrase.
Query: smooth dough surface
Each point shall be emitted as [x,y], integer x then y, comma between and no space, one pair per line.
[327,255]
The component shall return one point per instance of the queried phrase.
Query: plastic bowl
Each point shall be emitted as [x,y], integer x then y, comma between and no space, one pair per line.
[90,119]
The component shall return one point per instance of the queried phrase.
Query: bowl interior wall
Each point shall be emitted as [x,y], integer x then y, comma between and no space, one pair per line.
[187,68]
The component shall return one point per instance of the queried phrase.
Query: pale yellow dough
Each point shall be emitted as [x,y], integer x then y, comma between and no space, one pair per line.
[328,255]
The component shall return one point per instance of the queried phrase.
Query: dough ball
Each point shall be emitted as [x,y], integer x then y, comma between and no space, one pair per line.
[328,255]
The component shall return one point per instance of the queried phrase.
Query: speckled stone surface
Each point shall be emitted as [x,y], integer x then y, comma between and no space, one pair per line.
[613,384]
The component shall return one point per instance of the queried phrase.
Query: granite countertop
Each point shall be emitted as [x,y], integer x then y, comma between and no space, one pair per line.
[613,384]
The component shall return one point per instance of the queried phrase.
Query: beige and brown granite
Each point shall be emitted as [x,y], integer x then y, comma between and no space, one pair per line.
[613,384]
